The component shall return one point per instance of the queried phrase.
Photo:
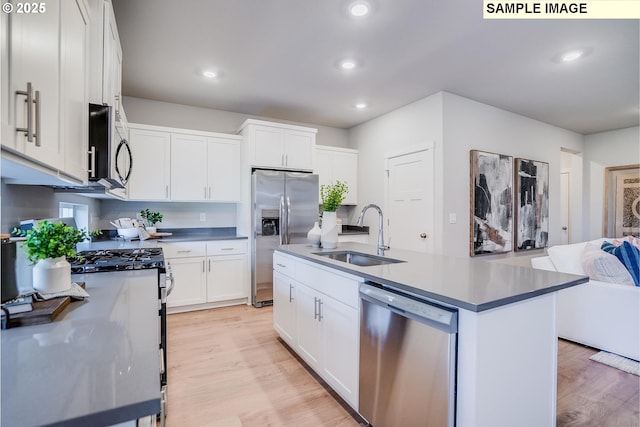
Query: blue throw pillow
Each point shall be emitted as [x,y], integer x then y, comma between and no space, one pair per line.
[628,255]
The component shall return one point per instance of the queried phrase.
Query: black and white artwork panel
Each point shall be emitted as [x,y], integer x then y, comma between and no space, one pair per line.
[532,202]
[491,203]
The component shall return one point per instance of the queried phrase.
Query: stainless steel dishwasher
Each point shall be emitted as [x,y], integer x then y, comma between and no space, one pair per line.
[407,360]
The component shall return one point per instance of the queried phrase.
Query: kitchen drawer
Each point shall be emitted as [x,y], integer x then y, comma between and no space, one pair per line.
[284,264]
[227,247]
[342,287]
[183,249]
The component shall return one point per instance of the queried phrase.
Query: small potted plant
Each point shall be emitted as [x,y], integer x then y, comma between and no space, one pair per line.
[47,245]
[151,218]
[332,196]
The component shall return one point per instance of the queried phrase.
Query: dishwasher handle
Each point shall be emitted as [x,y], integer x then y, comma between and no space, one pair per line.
[443,318]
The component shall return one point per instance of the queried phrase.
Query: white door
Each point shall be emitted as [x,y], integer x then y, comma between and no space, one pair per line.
[564,208]
[410,201]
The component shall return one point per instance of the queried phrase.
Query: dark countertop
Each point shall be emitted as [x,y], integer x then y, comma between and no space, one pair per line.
[466,283]
[96,364]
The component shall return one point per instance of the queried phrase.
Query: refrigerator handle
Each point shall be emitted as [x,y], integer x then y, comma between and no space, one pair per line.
[288,216]
[282,225]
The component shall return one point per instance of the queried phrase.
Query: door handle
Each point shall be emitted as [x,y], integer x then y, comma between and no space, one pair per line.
[288,217]
[423,235]
[92,162]
[282,231]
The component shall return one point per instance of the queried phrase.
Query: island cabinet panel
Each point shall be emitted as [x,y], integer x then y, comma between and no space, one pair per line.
[317,314]
[284,309]
[507,365]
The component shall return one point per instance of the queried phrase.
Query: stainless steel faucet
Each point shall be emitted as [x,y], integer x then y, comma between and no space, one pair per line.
[381,246]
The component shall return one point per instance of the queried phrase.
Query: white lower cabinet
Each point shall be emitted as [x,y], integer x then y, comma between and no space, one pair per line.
[190,281]
[318,315]
[284,308]
[207,274]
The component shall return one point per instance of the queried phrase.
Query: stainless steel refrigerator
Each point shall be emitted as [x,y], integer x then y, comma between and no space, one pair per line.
[285,206]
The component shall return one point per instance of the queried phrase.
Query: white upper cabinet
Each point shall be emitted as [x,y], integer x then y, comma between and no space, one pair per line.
[44,95]
[74,77]
[188,167]
[150,174]
[280,146]
[338,164]
[198,167]
[223,169]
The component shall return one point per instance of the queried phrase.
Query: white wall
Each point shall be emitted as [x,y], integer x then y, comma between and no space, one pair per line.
[614,148]
[175,215]
[149,112]
[415,123]
[470,125]
[457,125]
[22,202]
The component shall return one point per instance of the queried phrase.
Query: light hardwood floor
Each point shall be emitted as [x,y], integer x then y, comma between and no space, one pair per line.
[227,368]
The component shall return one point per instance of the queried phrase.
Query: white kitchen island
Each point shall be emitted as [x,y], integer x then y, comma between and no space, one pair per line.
[506,341]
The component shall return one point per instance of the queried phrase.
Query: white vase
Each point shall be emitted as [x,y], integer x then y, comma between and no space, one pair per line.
[52,275]
[151,230]
[313,236]
[329,238]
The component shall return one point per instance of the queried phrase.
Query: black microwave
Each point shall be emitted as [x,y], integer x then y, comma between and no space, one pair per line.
[110,159]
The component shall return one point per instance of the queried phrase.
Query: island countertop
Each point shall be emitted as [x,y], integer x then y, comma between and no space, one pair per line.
[467,283]
[97,363]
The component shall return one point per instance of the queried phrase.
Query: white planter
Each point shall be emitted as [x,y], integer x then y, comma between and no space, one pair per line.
[329,237]
[52,275]
[151,230]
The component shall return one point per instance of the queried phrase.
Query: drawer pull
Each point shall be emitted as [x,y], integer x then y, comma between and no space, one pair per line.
[281,265]
[184,251]
[227,249]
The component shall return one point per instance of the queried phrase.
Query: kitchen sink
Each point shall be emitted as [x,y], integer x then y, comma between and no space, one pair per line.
[358,258]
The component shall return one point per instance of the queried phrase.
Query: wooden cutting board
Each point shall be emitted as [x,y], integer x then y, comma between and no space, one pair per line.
[43,312]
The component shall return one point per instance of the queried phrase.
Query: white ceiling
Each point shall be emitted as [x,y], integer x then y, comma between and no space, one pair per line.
[277,58]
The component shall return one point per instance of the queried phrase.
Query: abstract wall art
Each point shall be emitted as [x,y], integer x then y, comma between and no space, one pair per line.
[532,204]
[491,203]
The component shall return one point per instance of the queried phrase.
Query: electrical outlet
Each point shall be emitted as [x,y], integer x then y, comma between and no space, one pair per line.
[453,218]
[203,216]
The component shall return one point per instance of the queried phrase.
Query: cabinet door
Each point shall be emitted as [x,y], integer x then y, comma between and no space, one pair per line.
[74,39]
[309,333]
[345,169]
[226,277]
[323,168]
[188,167]
[151,163]
[190,281]
[223,170]
[112,57]
[34,58]
[268,148]
[341,343]
[298,149]
[284,309]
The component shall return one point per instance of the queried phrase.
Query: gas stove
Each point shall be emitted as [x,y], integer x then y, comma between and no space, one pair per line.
[116,260]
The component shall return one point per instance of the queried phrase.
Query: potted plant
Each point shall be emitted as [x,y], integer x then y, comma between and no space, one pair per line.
[332,196]
[47,245]
[151,218]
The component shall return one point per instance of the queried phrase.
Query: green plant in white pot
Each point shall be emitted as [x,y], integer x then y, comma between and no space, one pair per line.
[332,196]
[151,218]
[47,245]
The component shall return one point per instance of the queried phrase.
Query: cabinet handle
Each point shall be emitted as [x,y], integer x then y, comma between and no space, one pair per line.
[286,160]
[92,162]
[184,251]
[37,136]
[226,249]
[290,292]
[166,191]
[28,131]
[209,192]
[281,265]
[319,310]
[282,159]
[315,308]
[209,266]
[205,192]
[203,266]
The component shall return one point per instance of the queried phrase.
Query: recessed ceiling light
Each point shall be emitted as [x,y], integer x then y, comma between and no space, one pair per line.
[572,55]
[361,105]
[210,74]
[359,8]
[348,64]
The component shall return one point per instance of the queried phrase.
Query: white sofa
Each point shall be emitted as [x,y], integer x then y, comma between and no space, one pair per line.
[598,314]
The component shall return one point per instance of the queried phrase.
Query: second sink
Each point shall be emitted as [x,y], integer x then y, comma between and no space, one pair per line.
[358,258]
